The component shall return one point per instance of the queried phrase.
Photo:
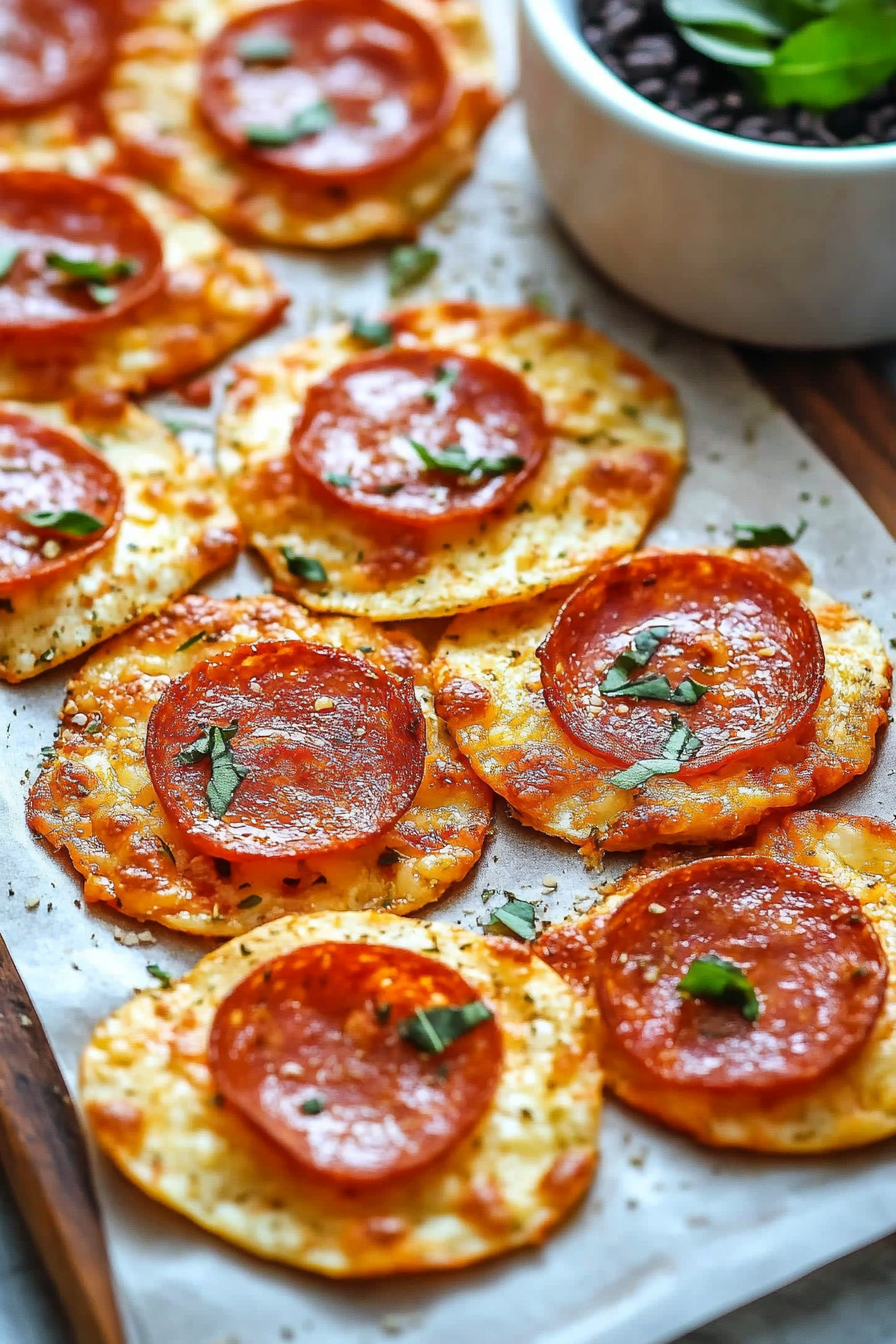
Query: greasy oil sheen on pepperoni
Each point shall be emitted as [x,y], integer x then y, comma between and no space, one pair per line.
[734,628]
[358,423]
[334,747]
[45,470]
[810,953]
[320,1024]
[50,50]
[380,69]
[45,212]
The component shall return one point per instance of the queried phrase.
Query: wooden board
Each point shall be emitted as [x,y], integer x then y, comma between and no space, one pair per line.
[849,413]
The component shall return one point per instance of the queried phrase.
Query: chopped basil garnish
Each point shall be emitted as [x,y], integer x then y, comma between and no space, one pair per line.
[516,916]
[303,567]
[748,535]
[8,258]
[433,1029]
[680,746]
[371,332]
[227,775]
[391,489]
[164,977]
[638,654]
[166,849]
[97,272]
[313,1105]
[265,49]
[409,264]
[710,978]
[444,380]
[688,692]
[301,126]
[248,903]
[382,1012]
[194,639]
[388,858]
[455,459]
[69,522]
[337,478]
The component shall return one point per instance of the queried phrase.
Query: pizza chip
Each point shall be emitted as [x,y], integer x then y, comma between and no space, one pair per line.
[320,123]
[103,519]
[108,287]
[353,795]
[746,997]
[452,1115]
[478,455]
[675,696]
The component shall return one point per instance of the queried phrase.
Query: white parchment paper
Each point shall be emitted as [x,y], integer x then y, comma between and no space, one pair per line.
[671,1234]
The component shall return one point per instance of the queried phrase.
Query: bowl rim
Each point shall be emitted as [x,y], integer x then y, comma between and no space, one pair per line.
[555,26]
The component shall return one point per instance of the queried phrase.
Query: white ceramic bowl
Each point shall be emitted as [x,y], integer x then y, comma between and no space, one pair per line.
[763,243]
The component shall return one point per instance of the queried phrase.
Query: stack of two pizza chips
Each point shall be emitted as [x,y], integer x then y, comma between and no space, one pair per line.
[338,1086]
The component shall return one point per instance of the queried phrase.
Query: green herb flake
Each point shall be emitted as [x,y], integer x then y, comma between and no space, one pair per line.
[102,295]
[166,849]
[680,746]
[97,272]
[444,380]
[313,1105]
[248,902]
[433,1029]
[455,460]
[164,977]
[194,639]
[68,522]
[8,258]
[638,654]
[337,478]
[688,692]
[749,535]
[382,1012]
[265,49]
[409,265]
[226,775]
[388,858]
[371,332]
[717,981]
[301,126]
[391,489]
[516,916]
[303,567]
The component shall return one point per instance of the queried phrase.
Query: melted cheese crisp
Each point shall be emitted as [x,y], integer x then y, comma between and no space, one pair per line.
[215,297]
[854,1106]
[488,682]
[177,527]
[149,1098]
[71,138]
[95,797]
[616,454]
[151,102]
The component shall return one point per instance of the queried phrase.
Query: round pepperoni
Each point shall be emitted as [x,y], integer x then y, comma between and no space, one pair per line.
[51,50]
[808,952]
[77,495]
[480,433]
[74,254]
[308,1048]
[730,627]
[327,90]
[327,751]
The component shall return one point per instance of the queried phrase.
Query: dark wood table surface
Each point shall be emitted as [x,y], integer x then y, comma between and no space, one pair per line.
[847,404]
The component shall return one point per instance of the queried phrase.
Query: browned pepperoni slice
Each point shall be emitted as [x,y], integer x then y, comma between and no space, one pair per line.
[51,50]
[327,90]
[805,946]
[476,419]
[316,1031]
[46,215]
[732,627]
[44,471]
[333,748]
